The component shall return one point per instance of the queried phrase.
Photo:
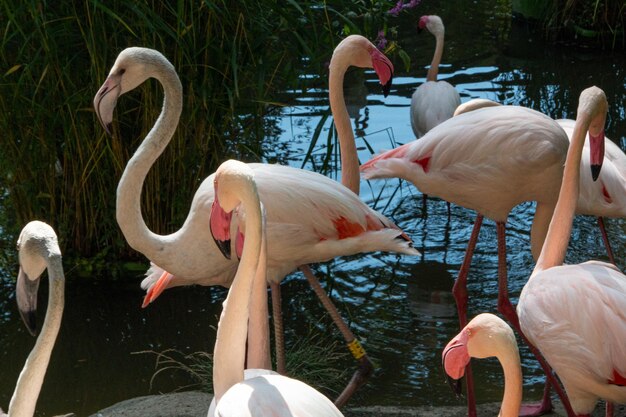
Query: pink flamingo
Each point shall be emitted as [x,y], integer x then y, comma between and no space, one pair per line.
[433,101]
[341,224]
[488,160]
[574,314]
[486,336]
[603,198]
[257,392]
[38,250]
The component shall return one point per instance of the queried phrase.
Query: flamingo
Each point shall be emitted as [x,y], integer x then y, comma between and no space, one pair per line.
[487,335]
[488,160]
[574,314]
[603,198]
[38,250]
[341,225]
[433,101]
[263,393]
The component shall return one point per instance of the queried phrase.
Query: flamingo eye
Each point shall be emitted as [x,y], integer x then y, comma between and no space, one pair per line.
[122,71]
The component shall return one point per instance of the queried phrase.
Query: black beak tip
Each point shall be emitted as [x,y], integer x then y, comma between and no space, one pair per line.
[387,87]
[224,246]
[419,30]
[595,171]
[109,129]
[30,320]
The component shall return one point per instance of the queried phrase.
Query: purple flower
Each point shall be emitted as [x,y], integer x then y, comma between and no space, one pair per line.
[381,41]
[395,11]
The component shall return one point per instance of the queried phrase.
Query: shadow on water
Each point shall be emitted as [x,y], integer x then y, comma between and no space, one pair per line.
[400,307]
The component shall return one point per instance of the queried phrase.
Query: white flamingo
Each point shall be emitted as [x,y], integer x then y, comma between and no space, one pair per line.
[605,197]
[485,336]
[433,101]
[575,314]
[488,160]
[262,393]
[340,224]
[38,249]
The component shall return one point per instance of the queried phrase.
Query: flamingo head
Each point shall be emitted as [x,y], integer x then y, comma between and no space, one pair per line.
[220,225]
[36,240]
[132,67]
[485,336]
[356,50]
[592,109]
[455,358]
[433,23]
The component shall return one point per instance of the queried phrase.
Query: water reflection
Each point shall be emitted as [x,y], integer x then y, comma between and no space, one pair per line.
[399,306]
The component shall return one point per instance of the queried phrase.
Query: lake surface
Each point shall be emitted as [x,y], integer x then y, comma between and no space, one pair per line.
[399,306]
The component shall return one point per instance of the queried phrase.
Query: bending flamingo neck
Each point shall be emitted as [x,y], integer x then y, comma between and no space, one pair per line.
[31,378]
[128,208]
[350,176]
[230,344]
[558,235]
[434,65]
[512,399]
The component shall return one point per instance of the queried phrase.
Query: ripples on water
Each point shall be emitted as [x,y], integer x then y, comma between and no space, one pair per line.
[400,307]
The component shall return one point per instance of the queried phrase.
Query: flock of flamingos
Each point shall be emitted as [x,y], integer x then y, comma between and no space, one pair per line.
[481,155]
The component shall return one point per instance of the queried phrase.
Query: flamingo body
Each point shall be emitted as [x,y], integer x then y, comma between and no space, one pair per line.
[576,316]
[488,160]
[432,103]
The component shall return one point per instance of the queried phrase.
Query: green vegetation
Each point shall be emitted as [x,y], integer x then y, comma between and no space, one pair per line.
[317,359]
[57,163]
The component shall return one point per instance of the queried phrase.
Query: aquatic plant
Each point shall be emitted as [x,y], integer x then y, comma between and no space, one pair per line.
[58,164]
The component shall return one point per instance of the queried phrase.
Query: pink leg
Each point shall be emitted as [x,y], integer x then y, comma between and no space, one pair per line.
[279,332]
[365,367]
[609,409]
[605,239]
[508,311]
[459,290]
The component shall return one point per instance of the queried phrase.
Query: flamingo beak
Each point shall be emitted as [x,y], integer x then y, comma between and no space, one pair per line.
[422,24]
[26,296]
[384,69]
[220,227]
[105,100]
[596,144]
[454,359]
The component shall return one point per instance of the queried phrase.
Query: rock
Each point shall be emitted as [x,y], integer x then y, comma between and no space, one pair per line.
[178,404]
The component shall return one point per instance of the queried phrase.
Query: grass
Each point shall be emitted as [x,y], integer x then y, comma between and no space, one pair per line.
[318,360]
[58,164]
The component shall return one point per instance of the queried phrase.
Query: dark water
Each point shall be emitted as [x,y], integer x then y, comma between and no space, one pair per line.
[400,307]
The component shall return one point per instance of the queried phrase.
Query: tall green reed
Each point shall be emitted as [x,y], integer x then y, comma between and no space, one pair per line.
[58,165]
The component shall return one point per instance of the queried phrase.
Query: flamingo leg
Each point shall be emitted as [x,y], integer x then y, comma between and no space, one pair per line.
[279,332]
[459,290]
[609,409]
[365,366]
[605,239]
[508,311]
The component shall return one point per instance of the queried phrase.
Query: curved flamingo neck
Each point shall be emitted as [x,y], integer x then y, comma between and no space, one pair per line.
[512,399]
[230,344]
[350,176]
[434,65]
[31,378]
[128,207]
[558,235]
